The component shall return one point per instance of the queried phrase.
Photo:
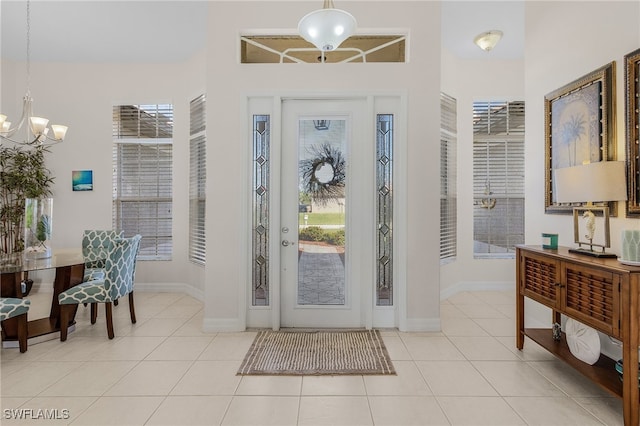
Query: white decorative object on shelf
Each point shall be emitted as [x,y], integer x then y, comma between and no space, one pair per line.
[583,341]
[630,247]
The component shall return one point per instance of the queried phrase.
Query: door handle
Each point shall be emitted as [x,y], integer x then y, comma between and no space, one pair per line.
[286,243]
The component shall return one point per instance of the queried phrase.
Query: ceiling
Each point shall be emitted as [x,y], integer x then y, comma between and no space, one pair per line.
[462,21]
[172,31]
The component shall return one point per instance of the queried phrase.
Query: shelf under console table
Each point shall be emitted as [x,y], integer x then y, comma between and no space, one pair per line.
[601,293]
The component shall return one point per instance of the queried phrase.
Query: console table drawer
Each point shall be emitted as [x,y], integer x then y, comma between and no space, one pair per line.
[540,279]
[591,296]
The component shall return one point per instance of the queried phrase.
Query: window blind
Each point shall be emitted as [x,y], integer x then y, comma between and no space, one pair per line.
[448,177]
[498,178]
[197,181]
[143,176]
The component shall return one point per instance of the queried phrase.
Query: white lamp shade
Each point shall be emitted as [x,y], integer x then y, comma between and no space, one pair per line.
[6,125]
[488,40]
[59,131]
[327,28]
[593,182]
[38,125]
[3,118]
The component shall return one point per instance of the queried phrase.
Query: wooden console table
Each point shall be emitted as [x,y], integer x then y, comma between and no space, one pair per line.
[601,293]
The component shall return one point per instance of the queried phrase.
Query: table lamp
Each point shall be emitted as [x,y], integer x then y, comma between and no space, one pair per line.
[589,183]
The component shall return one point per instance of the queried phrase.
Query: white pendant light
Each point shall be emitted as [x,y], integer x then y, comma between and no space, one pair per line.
[488,39]
[328,27]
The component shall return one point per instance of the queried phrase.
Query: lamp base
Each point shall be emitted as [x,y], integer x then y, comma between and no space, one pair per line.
[598,254]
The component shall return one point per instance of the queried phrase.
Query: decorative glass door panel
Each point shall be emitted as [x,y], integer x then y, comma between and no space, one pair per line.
[324,215]
[322,184]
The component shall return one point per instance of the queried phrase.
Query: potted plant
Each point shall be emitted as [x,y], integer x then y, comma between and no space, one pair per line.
[22,175]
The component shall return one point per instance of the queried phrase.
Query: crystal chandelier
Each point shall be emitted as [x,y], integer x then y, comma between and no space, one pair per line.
[36,128]
[328,27]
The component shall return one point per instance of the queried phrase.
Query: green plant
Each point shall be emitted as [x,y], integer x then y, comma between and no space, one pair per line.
[312,233]
[22,175]
[315,233]
[43,229]
[336,237]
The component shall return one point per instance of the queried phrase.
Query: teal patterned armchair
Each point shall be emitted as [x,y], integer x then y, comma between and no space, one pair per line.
[118,282]
[92,239]
[11,307]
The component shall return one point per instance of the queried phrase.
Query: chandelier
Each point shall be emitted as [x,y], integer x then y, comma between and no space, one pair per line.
[36,128]
[328,27]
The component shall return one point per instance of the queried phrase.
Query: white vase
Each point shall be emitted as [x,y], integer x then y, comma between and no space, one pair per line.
[631,245]
[38,226]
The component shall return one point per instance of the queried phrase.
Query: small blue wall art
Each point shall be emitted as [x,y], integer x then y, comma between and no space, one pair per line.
[82,180]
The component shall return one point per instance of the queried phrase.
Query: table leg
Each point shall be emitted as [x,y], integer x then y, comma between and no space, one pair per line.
[66,277]
[519,307]
[630,343]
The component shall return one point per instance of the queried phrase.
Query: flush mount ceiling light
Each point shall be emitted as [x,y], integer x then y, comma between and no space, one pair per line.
[488,39]
[328,27]
[37,128]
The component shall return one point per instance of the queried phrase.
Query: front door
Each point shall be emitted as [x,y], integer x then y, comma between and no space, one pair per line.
[327,245]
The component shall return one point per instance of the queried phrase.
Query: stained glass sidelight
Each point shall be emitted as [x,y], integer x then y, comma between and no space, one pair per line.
[384,207]
[260,225]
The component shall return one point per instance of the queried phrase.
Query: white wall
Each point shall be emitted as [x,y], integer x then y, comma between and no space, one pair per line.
[468,81]
[603,32]
[228,82]
[81,95]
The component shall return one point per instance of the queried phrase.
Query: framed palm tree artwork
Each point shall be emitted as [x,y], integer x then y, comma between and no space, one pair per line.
[579,127]
[632,105]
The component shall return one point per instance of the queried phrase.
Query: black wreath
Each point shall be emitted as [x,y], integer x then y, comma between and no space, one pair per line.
[323,192]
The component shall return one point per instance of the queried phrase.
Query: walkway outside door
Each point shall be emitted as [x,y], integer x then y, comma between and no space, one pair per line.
[326,213]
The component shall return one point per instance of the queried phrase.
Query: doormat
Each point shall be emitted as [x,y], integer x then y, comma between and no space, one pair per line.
[318,352]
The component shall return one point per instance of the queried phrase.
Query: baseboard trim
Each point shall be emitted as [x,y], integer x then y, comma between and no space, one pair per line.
[171,288]
[422,324]
[223,325]
[476,286]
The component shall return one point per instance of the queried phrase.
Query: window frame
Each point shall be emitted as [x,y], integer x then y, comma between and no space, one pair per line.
[143,164]
[448,179]
[506,140]
[197,181]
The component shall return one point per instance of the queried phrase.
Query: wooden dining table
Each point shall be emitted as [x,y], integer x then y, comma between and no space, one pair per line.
[69,271]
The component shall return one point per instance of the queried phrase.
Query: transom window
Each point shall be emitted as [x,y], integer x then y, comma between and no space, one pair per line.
[266,49]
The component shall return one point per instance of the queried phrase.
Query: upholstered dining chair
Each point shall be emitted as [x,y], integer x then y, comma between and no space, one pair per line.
[97,239]
[11,307]
[118,282]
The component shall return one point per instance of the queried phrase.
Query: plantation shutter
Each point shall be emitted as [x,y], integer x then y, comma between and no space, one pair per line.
[197,181]
[143,176]
[498,178]
[448,177]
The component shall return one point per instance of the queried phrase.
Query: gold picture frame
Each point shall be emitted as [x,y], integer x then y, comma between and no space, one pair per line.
[632,73]
[579,128]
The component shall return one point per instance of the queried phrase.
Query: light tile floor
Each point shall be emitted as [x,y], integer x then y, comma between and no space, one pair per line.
[165,371]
